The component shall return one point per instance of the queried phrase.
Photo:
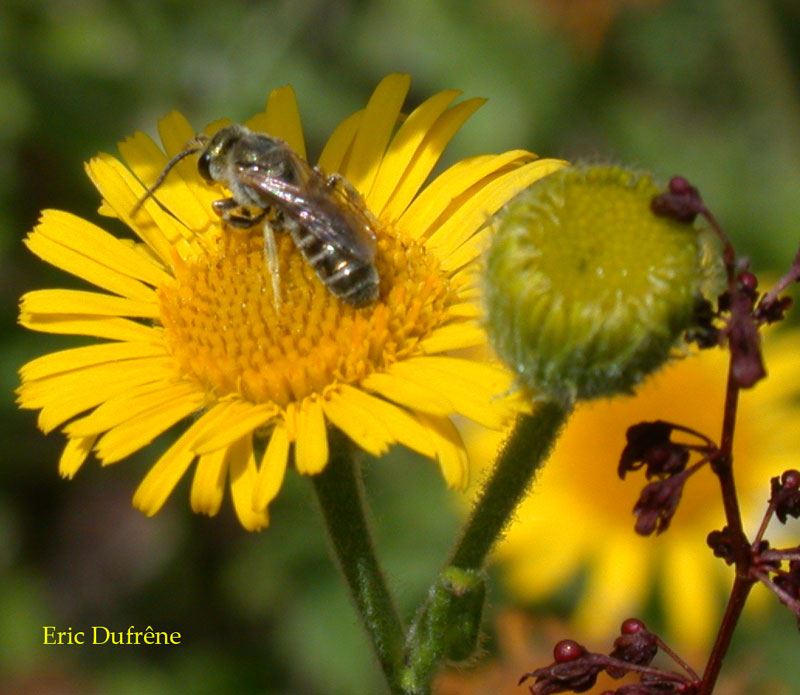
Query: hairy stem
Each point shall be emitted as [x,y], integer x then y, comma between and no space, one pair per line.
[340,493]
[522,455]
[448,621]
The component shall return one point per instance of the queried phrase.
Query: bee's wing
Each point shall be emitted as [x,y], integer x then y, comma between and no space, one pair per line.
[332,217]
[351,203]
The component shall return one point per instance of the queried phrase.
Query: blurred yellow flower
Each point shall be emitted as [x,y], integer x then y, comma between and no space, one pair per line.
[188,328]
[579,514]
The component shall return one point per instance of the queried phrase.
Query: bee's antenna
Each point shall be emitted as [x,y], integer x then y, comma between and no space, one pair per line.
[194,146]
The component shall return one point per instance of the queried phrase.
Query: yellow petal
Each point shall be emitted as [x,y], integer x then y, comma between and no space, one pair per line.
[59,402]
[240,418]
[454,336]
[468,284]
[311,447]
[75,453]
[469,390]
[91,254]
[35,394]
[182,193]
[176,133]
[96,326]
[87,356]
[470,251]
[416,396]
[450,451]
[448,190]
[375,129]
[132,403]
[428,155]
[208,484]
[194,210]
[401,153]
[162,478]
[281,119]
[290,420]
[273,468]
[465,310]
[336,152]
[243,475]
[80,302]
[133,434]
[362,427]
[490,379]
[121,191]
[87,239]
[402,426]
[476,211]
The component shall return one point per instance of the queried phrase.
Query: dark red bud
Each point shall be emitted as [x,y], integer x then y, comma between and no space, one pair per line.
[791,478]
[631,626]
[567,650]
[748,281]
[679,185]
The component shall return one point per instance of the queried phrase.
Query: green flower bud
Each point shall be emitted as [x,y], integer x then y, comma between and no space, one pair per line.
[586,290]
[448,626]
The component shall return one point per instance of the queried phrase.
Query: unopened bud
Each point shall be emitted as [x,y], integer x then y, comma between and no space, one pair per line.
[587,290]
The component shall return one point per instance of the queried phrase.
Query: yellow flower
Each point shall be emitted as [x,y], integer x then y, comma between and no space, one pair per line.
[188,328]
[579,513]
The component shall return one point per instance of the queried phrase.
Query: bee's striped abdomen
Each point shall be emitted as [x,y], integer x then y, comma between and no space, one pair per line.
[347,276]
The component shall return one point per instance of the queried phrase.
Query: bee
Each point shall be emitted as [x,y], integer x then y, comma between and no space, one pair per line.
[325,216]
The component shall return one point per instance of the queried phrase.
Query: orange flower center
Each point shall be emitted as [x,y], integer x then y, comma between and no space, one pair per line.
[223,327]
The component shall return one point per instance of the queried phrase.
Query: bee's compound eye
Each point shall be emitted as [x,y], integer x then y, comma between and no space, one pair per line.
[204,166]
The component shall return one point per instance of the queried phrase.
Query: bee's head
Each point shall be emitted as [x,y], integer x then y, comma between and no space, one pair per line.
[211,163]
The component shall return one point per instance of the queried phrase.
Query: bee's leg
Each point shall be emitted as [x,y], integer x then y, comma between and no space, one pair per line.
[273,265]
[239,216]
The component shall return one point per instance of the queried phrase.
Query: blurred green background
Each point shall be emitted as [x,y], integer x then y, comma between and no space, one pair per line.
[705,88]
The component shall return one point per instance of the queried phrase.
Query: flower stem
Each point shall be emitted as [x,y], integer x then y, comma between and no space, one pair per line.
[742,555]
[340,493]
[739,592]
[723,467]
[522,455]
[449,620]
